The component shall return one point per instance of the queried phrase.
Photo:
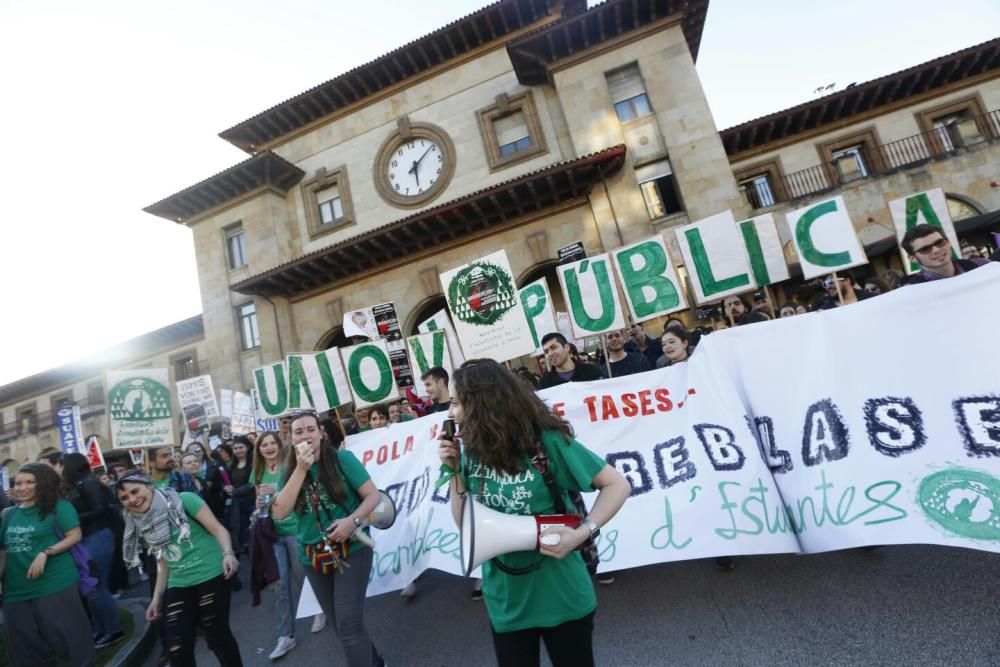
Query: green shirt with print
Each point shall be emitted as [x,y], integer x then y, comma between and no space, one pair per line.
[197,560]
[354,475]
[23,535]
[559,590]
[290,524]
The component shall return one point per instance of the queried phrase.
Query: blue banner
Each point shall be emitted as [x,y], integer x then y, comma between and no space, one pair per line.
[70,431]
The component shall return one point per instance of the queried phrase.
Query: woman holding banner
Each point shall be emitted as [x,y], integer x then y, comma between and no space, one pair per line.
[92,503]
[505,428]
[195,559]
[330,492]
[44,620]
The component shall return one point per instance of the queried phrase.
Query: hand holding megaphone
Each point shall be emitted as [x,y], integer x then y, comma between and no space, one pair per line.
[561,540]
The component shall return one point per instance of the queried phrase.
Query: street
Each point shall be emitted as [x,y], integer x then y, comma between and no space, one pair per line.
[906,605]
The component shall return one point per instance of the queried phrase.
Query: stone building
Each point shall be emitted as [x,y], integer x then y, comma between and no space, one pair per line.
[28,406]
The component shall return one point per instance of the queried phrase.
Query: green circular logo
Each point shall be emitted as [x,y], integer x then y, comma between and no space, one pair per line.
[139,399]
[963,502]
[481,293]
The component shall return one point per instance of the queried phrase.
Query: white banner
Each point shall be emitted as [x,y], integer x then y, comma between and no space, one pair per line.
[824,238]
[140,407]
[922,208]
[489,320]
[770,440]
[591,294]
[715,257]
[764,249]
[539,310]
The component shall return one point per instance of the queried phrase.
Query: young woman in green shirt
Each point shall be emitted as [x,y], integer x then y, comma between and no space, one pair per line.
[500,420]
[39,576]
[330,492]
[194,561]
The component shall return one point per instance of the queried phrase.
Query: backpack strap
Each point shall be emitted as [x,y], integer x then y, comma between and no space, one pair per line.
[540,461]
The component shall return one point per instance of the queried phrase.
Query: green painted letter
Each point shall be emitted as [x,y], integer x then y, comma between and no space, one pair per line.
[605,293]
[649,275]
[709,284]
[803,235]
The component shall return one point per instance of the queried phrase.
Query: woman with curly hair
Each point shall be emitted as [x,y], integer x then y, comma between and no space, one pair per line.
[530,598]
[44,619]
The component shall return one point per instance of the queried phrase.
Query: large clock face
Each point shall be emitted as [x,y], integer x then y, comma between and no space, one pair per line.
[415,167]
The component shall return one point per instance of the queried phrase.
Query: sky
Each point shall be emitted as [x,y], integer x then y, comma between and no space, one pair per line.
[111,105]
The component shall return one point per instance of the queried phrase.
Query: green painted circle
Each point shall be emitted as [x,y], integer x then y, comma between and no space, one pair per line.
[381,392]
[965,490]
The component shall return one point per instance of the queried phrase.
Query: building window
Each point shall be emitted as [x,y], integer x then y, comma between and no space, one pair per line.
[95,393]
[62,400]
[236,247]
[850,163]
[249,333]
[955,124]
[185,366]
[27,419]
[628,93]
[762,183]
[758,191]
[956,130]
[511,130]
[659,189]
[327,201]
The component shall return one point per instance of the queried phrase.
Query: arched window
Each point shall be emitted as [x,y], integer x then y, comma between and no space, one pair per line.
[961,208]
[333,338]
[424,311]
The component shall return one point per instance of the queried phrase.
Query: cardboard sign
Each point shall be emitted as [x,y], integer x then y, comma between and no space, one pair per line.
[539,311]
[649,279]
[316,381]
[271,384]
[824,237]
[763,246]
[95,457]
[922,208]
[591,293]
[441,321]
[242,420]
[716,258]
[488,317]
[574,252]
[140,407]
[430,350]
[369,372]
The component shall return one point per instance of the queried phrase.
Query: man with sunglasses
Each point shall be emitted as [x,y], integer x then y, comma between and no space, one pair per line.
[847,293]
[928,247]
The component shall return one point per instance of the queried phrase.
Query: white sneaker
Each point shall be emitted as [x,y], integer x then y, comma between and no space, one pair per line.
[285,644]
[319,622]
[409,591]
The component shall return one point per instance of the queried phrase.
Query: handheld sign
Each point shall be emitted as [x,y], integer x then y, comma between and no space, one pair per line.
[763,245]
[574,252]
[716,257]
[592,296]
[922,208]
[369,372]
[140,407]
[429,350]
[537,304]
[825,239]
[649,279]
[271,385]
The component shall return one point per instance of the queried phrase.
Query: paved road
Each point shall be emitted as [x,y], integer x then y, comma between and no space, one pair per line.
[913,605]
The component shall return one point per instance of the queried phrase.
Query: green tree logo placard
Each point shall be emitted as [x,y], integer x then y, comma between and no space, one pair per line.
[481,294]
[139,400]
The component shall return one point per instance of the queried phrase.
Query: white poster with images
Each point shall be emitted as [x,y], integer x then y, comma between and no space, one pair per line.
[140,407]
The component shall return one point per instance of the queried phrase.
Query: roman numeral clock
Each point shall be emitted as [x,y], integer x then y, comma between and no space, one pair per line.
[414,164]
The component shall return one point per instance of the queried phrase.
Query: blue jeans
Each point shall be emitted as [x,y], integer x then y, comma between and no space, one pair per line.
[103,608]
[286,552]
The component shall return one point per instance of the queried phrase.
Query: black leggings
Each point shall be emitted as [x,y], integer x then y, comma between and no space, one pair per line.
[205,605]
[568,645]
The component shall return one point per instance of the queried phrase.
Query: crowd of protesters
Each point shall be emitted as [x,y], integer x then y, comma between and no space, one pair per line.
[291,500]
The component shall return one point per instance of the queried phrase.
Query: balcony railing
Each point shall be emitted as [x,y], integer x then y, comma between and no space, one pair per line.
[885,158]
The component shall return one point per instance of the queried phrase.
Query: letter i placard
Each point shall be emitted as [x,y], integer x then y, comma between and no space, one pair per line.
[591,292]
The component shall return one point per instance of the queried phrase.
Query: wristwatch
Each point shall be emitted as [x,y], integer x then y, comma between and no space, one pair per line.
[591,526]
[357,522]
[48,551]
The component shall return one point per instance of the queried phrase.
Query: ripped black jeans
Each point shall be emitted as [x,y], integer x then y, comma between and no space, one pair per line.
[205,605]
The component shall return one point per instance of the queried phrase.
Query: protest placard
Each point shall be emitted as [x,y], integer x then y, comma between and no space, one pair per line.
[95,457]
[140,407]
[226,412]
[198,391]
[441,321]
[763,246]
[573,252]
[430,350]
[262,422]
[70,430]
[767,441]
[824,238]
[715,257]
[369,373]
[316,381]
[360,323]
[591,293]
[489,320]
[242,420]
[922,208]
[271,384]
[649,279]
[539,311]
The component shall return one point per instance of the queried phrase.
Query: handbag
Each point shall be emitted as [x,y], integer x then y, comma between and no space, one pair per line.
[325,556]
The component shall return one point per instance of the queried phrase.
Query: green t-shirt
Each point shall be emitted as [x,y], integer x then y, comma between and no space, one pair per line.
[24,534]
[290,524]
[195,561]
[162,483]
[309,532]
[560,590]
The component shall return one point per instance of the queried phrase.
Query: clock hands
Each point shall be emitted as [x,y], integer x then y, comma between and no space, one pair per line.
[416,165]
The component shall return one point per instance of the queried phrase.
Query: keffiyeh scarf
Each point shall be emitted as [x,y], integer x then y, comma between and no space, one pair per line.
[153,528]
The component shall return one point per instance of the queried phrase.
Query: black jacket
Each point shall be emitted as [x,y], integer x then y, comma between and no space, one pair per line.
[965,264]
[582,373]
[90,499]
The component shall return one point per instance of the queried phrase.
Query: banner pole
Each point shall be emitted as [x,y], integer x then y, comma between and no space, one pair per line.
[607,357]
[340,424]
[836,283]
[770,302]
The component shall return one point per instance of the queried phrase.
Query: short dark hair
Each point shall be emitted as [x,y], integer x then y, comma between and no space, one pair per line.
[381,409]
[556,336]
[918,232]
[52,457]
[682,334]
[437,373]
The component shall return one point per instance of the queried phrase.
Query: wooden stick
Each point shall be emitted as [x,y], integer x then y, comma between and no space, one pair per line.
[770,302]
[340,424]
[607,357]
[836,283]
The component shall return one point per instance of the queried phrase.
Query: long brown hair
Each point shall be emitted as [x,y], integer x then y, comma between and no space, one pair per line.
[329,473]
[259,463]
[46,486]
[503,416]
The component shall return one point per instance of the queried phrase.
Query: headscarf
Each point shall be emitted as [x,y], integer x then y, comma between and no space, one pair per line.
[165,511]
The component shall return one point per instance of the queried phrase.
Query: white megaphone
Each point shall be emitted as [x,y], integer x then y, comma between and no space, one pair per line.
[382,517]
[487,533]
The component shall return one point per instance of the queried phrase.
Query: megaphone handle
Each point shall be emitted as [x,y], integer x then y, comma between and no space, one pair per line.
[360,536]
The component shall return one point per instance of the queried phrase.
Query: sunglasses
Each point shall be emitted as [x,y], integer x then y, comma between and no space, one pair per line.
[937,245]
[292,416]
[830,282]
